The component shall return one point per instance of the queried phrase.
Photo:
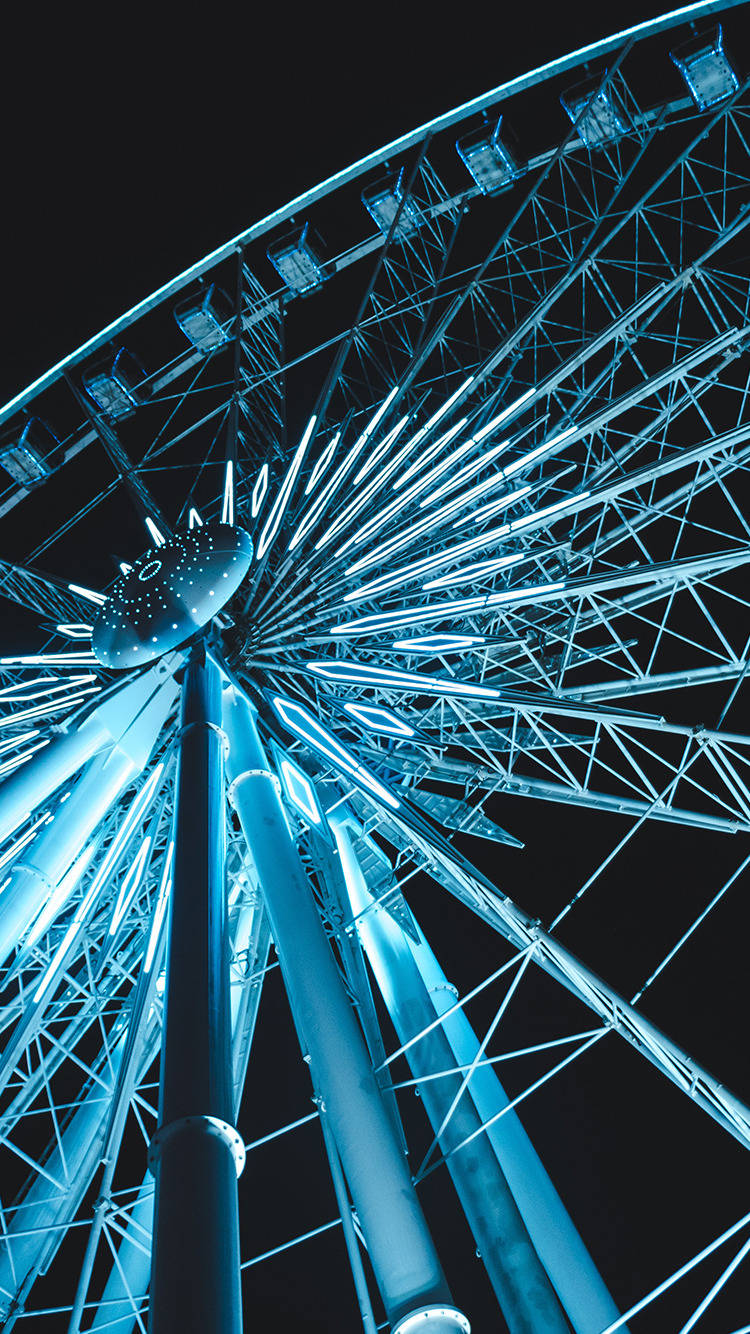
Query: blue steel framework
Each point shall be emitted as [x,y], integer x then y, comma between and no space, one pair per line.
[492,465]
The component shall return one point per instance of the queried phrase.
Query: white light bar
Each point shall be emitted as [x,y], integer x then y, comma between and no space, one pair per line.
[75,630]
[227,508]
[432,644]
[259,491]
[378,719]
[273,522]
[130,884]
[299,791]
[391,678]
[479,570]
[89,594]
[308,728]
[50,660]
[162,899]
[322,463]
[157,536]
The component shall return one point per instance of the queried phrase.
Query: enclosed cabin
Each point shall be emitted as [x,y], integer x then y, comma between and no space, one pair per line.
[597,111]
[706,69]
[31,453]
[393,212]
[206,319]
[491,157]
[298,260]
[117,384]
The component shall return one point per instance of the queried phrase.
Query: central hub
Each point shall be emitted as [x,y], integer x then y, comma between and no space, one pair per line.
[166,598]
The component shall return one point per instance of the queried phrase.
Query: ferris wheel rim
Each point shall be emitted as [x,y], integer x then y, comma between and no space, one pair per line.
[519,83]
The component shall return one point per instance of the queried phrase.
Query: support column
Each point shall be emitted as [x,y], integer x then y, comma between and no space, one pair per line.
[196,1153]
[406,1266]
[513,1209]
[93,728]
[135,716]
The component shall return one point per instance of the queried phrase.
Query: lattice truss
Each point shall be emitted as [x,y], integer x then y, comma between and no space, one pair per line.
[494,465]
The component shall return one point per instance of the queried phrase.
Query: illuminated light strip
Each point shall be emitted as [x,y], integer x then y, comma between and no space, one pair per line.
[478,570]
[383,516]
[12,852]
[41,710]
[331,486]
[58,898]
[380,449]
[433,644]
[273,522]
[82,659]
[194,521]
[539,453]
[119,842]
[563,588]
[361,673]
[494,507]
[510,411]
[378,416]
[407,573]
[160,906]
[446,610]
[302,723]
[359,501]
[130,885]
[416,530]
[17,760]
[430,453]
[377,719]
[75,630]
[50,685]
[384,475]
[89,594]
[424,525]
[570,501]
[125,568]
[353,454]
[466,473]
[18,740]
[157,536]
[259,491]
[322,463]
[434,419]
[300,791]
[227,508]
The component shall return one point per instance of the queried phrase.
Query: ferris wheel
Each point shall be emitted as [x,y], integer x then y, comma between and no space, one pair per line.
[375,607]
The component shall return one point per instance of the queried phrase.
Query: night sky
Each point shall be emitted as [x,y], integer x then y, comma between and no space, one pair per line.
[135,140]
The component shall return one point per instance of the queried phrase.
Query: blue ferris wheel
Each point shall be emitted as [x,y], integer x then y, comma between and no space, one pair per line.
[415,511]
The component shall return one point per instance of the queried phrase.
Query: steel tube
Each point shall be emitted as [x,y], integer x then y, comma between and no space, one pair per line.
[91,729]
[404,1260]
[195,1269]
[521,1283]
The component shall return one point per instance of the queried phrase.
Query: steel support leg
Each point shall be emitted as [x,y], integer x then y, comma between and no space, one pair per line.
[399,1245]
[512,1207]
[135,716]
[91,729]
[195,1271]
